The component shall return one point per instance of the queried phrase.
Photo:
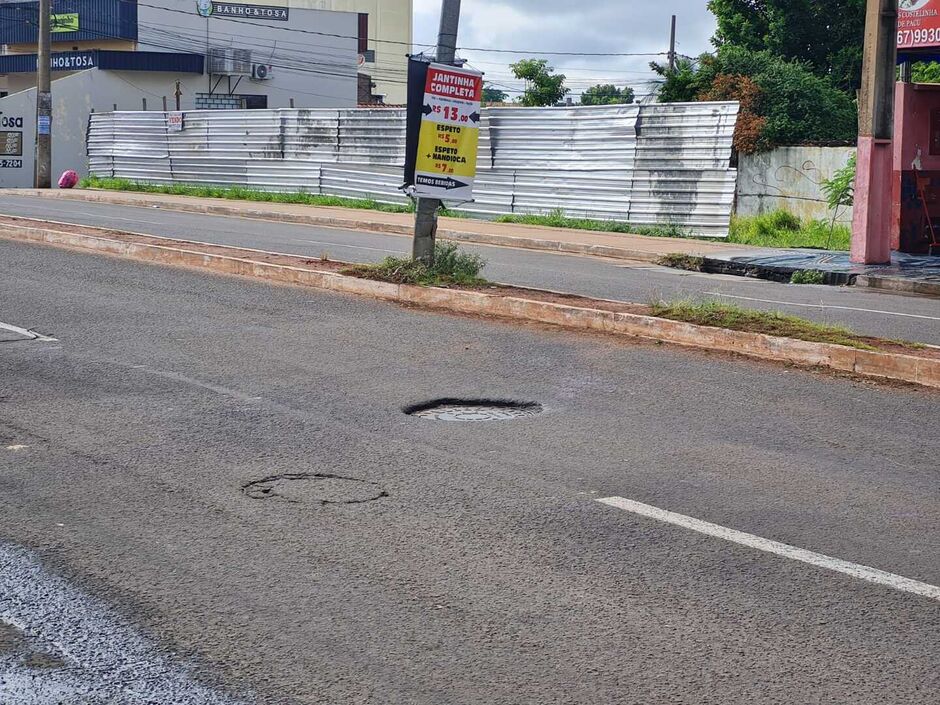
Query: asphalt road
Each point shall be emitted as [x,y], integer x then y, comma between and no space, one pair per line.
[866,311]
[472,563]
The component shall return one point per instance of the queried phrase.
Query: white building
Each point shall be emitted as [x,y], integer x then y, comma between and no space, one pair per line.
[390,31]
[182,54]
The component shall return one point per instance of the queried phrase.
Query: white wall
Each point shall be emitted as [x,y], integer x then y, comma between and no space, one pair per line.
[790,178]
[72,102]
[389,21]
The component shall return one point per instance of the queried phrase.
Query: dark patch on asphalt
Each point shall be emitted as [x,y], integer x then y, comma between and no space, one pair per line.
[314,488]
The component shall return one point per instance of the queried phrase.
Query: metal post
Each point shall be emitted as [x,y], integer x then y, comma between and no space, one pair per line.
[426,215]
[43,172]
[871,223]
[178,93]
[164,103]
[143,104]
[672,46]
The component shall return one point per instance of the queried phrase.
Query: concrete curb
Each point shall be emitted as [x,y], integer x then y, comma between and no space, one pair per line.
[519,243]
[907,368]
[906,286]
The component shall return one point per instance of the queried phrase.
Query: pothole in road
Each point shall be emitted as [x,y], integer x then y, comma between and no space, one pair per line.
[314,488]
[473,410]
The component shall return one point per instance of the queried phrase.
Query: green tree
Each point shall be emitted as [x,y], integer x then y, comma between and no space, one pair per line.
[688,80]
[791,104]
[543,86]
[925,72]
[824,35]
[607,94]
[494,95]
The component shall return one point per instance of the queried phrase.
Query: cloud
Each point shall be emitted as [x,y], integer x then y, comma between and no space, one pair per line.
[591,26]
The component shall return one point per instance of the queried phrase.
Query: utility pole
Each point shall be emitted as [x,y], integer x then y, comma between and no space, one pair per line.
[43,172]
[871,222]
[426,212]
[672,46]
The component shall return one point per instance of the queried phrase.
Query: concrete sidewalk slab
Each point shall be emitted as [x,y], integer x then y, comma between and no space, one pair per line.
[915,274]
[533,237]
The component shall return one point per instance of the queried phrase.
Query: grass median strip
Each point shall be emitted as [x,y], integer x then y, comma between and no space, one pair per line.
[239,193]
[719,315]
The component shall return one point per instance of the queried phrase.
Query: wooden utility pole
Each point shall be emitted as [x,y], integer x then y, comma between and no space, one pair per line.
[426,212]
[871,223]
[43,171]
[672,46]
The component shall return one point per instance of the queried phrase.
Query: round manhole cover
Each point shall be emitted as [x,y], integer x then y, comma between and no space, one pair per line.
[473,410]
[314,488]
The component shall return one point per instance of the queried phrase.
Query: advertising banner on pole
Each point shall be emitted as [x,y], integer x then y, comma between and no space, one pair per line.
[443,130]
[918,24]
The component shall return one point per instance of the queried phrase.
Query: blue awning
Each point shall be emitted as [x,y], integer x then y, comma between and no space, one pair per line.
[108,61]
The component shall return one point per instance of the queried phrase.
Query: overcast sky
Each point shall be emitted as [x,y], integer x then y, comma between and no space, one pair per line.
[613,26]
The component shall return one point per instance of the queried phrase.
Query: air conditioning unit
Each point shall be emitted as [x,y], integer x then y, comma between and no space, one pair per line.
[262,72]
[228,61]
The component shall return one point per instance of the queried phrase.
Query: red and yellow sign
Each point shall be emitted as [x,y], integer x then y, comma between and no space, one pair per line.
[918,24]
[450,132]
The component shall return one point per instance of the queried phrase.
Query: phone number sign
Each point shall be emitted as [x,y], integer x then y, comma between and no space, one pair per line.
[918,24]
[446,161]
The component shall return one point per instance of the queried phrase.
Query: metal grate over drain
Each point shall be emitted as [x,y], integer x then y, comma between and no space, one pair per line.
[473,410]
[314,488]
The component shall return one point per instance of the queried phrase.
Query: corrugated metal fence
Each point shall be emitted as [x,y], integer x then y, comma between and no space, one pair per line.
[649,164]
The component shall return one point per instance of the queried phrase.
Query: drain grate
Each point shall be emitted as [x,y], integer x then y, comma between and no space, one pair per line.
[314,488]
[473,410]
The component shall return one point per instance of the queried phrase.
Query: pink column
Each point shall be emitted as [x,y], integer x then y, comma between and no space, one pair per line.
[871,224]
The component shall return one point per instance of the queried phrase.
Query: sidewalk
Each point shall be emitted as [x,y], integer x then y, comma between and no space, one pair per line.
[532,237]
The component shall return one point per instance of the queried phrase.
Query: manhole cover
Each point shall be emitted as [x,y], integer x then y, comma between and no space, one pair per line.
[473,410]
[314,488]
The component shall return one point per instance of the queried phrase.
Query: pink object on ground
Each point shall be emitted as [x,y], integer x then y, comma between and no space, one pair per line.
[68,179]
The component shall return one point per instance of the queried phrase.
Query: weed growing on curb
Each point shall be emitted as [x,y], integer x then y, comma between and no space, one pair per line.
[719,315]
[808,276]
[451,266]
[677,260]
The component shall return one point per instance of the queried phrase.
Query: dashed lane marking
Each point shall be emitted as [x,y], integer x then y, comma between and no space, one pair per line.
[862,572]
[29,334]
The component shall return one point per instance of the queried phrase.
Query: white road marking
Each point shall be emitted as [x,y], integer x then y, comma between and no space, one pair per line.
[30,334]
[862,572]
[824,306]
[17,447]
[343,245]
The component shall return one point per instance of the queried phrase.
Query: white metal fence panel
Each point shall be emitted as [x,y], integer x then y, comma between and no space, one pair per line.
[646,165]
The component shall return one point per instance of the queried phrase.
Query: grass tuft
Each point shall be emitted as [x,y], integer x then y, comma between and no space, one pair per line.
[782,229]
[677,260]
[557,219]
[451,267]
[239,193]
[808,276]
[719,315]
